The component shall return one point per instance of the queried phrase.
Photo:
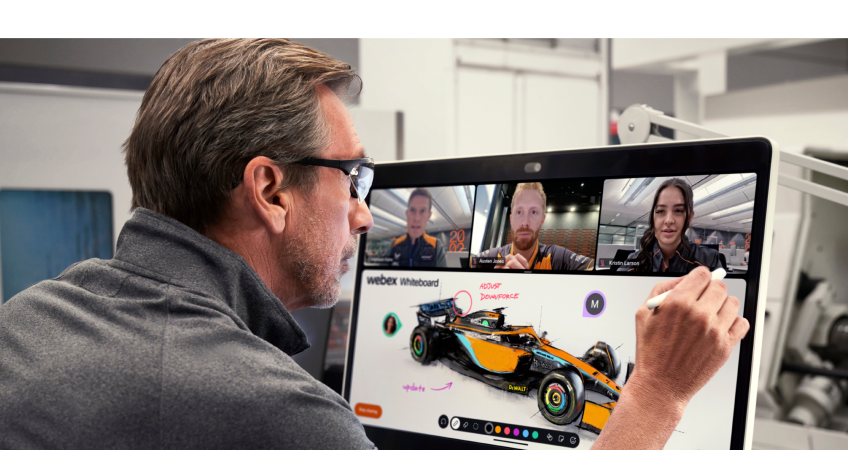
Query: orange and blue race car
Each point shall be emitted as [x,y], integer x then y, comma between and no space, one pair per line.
[516,359]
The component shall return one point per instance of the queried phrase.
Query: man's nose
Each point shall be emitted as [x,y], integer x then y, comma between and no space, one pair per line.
[360,218]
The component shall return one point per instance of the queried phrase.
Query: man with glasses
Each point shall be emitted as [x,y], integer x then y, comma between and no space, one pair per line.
[248,183]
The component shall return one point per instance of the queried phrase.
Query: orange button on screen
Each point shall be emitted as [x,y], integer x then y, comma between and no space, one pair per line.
[366,410]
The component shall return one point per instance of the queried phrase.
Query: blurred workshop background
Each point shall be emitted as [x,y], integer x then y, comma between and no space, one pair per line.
[67,105]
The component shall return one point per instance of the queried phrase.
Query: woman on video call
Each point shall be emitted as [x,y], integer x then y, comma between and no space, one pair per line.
[664,246]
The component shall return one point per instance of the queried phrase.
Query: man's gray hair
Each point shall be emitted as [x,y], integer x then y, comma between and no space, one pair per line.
[215,105]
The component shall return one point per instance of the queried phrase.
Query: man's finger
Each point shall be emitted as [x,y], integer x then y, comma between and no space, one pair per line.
[505,265]
[515,264]
[714,296]
[693,285]
[739,329]
[728,312]
[523,261]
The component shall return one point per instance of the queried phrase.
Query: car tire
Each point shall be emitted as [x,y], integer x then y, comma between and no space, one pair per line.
[422,346]
[561,397]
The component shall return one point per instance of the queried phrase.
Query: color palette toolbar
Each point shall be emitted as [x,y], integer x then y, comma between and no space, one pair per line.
[504,431]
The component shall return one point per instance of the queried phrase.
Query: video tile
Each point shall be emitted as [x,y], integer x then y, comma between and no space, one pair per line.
[420,227]
[548,225]
[676,224]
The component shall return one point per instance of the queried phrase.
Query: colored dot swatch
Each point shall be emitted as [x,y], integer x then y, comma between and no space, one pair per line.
[511,431]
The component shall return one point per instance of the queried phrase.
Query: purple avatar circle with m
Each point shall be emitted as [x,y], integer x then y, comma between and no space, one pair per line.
[594,304]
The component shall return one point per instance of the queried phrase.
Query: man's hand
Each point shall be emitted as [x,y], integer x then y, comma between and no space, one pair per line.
[689,336]
[514,262]
[680,345]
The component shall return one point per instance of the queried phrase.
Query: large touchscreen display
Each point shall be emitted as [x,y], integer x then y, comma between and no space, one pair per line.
[505,313]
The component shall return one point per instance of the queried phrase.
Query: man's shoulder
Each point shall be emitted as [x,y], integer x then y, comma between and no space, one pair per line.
[399,241]
[559,252]
[495,251]
[252,393]
[92,277]
[562,256]
[431,240]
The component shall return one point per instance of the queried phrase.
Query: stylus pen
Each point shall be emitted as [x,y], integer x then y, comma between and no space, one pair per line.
[718,274]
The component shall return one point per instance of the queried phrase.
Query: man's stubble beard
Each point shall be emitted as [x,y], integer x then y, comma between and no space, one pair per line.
[525,244]
[317,271]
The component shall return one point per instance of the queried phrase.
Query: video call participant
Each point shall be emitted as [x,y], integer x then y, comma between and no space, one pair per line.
[417,248]
[669,249]
[390,325]
[526,218]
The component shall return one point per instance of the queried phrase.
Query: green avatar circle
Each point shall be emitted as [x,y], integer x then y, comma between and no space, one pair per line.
[391,324]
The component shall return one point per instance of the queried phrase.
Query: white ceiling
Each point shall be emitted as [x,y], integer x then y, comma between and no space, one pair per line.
[451,210]
[722,202]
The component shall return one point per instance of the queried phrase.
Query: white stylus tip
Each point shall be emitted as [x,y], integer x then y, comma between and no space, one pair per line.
[717,274]
[654,302]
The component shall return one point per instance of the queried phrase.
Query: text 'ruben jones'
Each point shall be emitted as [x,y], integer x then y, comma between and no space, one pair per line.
[393,281]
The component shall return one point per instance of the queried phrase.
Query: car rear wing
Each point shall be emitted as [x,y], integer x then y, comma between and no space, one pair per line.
[439,308]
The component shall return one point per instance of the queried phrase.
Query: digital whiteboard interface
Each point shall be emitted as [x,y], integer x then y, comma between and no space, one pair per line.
[504,314]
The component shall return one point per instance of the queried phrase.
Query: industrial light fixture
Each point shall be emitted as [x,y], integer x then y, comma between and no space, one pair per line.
[734,210]
[723,186]
[462,198]
[382,214]
[573,209]
[639,190]
[550,208]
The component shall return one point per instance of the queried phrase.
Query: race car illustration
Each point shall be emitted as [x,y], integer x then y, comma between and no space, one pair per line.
[516,359]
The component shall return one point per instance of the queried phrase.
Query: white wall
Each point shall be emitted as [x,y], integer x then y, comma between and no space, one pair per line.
[414,76]
[471,97]
[378,132]
[634,53]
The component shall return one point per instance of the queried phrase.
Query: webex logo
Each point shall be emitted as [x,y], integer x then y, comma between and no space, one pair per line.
[383,280]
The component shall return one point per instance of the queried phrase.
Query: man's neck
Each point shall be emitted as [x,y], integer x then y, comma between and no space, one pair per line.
[257,250]
[413,240]
[527,254]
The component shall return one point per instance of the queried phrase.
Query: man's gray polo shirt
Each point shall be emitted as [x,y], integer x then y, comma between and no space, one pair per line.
[174,343]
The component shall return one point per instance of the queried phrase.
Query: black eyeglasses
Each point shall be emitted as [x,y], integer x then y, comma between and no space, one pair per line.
[360,171]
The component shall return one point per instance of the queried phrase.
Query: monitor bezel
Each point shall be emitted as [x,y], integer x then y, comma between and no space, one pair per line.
[714,156]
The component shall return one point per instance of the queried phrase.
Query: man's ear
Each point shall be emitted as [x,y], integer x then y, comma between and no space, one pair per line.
[262,179]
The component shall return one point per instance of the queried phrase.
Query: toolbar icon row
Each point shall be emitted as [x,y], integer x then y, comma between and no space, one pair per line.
[502,431]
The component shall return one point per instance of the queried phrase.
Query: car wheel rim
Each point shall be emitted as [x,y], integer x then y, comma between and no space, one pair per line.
[418,345]
[555,398]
